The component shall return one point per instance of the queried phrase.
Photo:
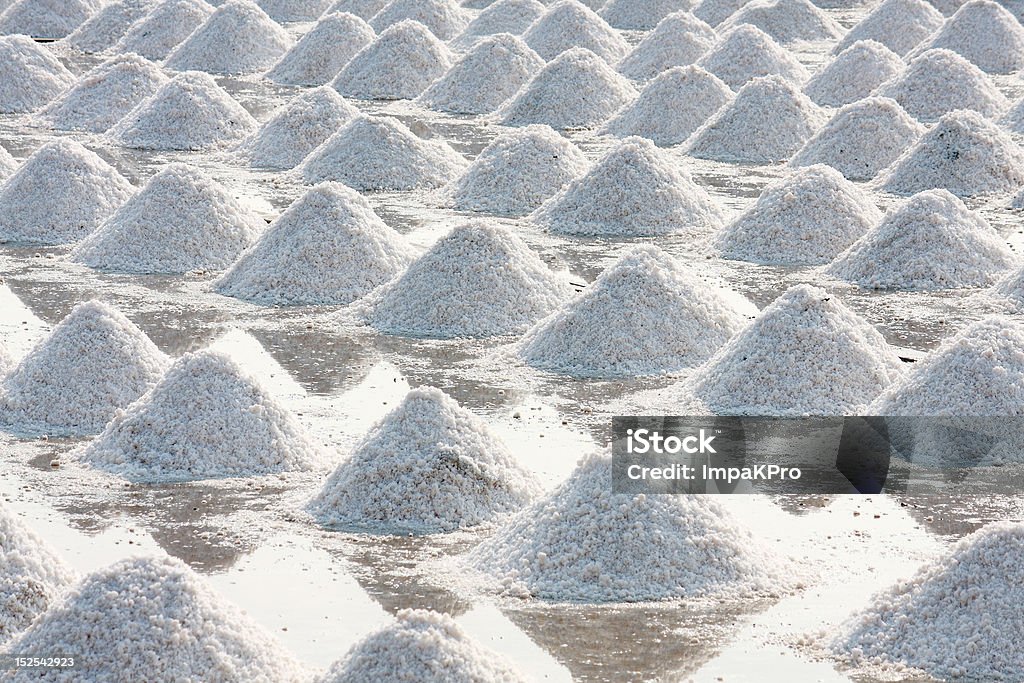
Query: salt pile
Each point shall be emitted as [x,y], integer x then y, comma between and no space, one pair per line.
[181,221]
[479,280]
[862,138]
[640,15]
[59,195]
[805,218]
[1009,290]
[570,24]
[746,52]
[504,16]
[516,172]
[679,39]
[30,76]
[900,25]
[714,12]
[301,125]
[577,89]
[321,54]
[154,619]
[8,164]
[768,121]
[46,18]
[806,354]
[930,241]
[294,10]
[854,74]
[963,153]
[1013,119]
[399,64]
[672,106]
[164,27]
[328,247]
[444,18]
[364,9]
[986,34]
[106,27]
[786,21]
[189,112]
[372,153]
[634,190]
[570,547]
[101,97]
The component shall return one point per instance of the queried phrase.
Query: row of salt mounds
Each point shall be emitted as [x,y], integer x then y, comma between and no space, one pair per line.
[421,646]
[930,241]
[494,70]
[46,18]
[504,16]
[854,74]
[189,112]
[399,64]
[297,128]
[900,25]
[155,619]
[862,138]
[745,53]
[786,21]
[986,34]
[364,9]
[294,10]
[164,27]
[644,315]
[321,54]
[570,24]
[479,280]
[59,194]
[577,89]
[632,191]
[768,121]
[805,218]
[517,172]
[444,18]
[640,15]
[372,153]
[806,354]
[93,363]
[101,97]
[30,76]
[107,26]
[328,247]
[430,465]
[680,39]
[570,547]
[181,221]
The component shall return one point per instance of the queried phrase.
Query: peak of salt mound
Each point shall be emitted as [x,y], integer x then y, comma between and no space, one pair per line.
[672,106]
[321,54]
[294,10]
[46,18]
[59,195]
[745,53]
[8,164]
[106,27]
[504,16]
[577,89]
[570,24]
[328,247]
[768,121]
[640,15]
[986,34]
[444,18]
[714,12]
[854,74]
[806,354]
[164,27]
[30,76]
[804,218]
[679,39]
[189,112]
[93,363]
[480,280]
[786,21]
[632,191]
[399,64]
[516,172]
[900,25]
[862,138]
[364,9]
[372,153]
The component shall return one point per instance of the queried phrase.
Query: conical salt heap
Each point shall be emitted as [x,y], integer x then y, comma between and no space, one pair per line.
[640,15]
[59,195]
[1009,290]
[786,21]
[103,29]
[570,24]
[30,76]
[444,18]
[854,74]
[94,363]
[680,39]
[297,128]
[479,280]
[181,221]
[806,354]
[633,191]
[745,53]
[189,112]
[328,247]
[295,10]
[570,547]
[364,9]
[805,218]
[986,34]
[399,64]
[768,121]
[930,241]
[862,138]
[164,27]
[518,171]
[46,18]
[644,315]
[372,153]
[101,97]
[485,78]
[503,16]
[900,25]
[1013,119]
[714,12]
[321,54]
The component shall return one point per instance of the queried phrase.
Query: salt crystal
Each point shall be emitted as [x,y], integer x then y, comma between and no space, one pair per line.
[679,39]
[570,24]
[321,54]
[986,34]
[364,9]
[444,18]
[745,53]
[294,10]
[30,76]
[504,16]
[640,15]
[900,25]
[46,18]
[106,27]
[854,74]
[786,21]
[164,27]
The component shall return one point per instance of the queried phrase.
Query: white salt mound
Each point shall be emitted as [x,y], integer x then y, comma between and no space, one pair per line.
[30,76]
[399,64]
[181,221]
[577,89]
[504,16]
[107,26]
[444,18]
[786,21]
[679,39]
[714,12]
[8,164]
[745,53]
[1013,119]
[806,354]
[640,15]
[46,18]
[986,34]
[189,112]
[480,280]
[900,25]
[634,190]
[364,9]
[854,74]
[59,195]
[164,27]
[570,24]
[294,10]
[328,247]
[321,54]
[372,153]
[862,138]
